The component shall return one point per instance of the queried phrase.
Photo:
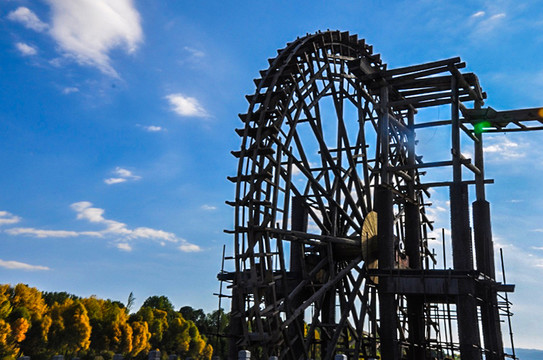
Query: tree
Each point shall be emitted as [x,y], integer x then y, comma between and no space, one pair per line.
[51,298]
[140,337]
[130,302]
[43,324]
[157,321]
[70,330]
[159,302]
[217,324]
[78,328]
[196,316]
[8,350]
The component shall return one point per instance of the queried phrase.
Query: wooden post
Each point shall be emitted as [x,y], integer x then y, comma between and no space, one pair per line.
[387,302]
[468,329]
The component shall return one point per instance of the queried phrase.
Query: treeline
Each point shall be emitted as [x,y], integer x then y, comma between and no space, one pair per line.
[42,324]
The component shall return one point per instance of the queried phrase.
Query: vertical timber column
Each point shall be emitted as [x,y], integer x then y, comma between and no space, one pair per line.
[387,303]
[299,218]
[484,255]
[468,324]
[236,329]
[415,303]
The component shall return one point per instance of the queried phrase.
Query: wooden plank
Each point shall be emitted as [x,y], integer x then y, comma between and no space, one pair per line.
[418,99]
[410,77]
[419,67]
[464,84]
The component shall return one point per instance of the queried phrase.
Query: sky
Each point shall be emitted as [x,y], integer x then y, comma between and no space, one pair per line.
[117,120]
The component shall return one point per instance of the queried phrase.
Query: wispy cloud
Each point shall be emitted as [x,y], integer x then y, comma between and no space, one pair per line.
[188,247]
[16,265]
[485,23]
[122,175]
[186,106]
[69,90]
[153,128]
[124,247]
[88,30]
[119,232]
[7,218]
[111,181]
[25,49]
[41,233]
[497,17]
[208,207]
[194,52]
[26,17]
[505,149]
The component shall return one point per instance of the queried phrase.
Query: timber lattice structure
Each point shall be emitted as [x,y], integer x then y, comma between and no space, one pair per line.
[331,232]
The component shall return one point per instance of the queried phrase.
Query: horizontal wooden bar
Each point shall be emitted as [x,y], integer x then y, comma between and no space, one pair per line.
[419,67]
[433,123]
[449,183]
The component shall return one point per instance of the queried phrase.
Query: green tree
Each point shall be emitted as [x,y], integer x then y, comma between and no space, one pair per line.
[157,321]
[51,298]
[197,316]
[159,302]
[216,324]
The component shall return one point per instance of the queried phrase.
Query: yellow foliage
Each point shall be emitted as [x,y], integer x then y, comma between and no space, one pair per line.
[5,331]
[80,327]
[30,298]
[207,353]
[126,339]
[140,337]
[5,304]
[19,329]
[45,325]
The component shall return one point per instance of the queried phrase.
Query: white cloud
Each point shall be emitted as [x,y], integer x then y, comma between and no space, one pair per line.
[87,30]
[25,49]
[119,232]
[186,106]
[124,247]
[486,25]
[26,17]
[16,265]
[69,90]
[505,149]
[478,14]
[188,247]
[208,207]
[112,181]
[194,52]
[123,175]
[42,233]
[7,218]
[497,17]
[153,128]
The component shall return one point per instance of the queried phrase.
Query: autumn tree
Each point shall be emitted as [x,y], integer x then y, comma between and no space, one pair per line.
[43,324]
[70,330]
[140,337]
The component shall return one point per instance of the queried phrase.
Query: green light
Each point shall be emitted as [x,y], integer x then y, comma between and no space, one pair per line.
[480,127]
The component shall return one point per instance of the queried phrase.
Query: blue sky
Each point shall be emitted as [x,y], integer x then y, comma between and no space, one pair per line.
[117,121]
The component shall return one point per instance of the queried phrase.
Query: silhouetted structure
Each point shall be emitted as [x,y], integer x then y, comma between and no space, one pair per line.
[331,232]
